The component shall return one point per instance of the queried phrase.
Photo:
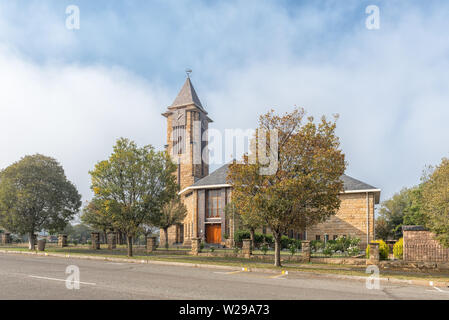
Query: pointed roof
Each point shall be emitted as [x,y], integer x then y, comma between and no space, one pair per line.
[218,177]
[187,96]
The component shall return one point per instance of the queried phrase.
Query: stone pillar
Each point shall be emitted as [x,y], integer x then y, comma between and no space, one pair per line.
[6,238]
[41,245]
[95,238]
[112,240]
[196,245]
[62,240]
[151,244]
[247,248]
[305,247]
[374,257]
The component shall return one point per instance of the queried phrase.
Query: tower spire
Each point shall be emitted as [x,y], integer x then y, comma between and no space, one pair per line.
[188,72]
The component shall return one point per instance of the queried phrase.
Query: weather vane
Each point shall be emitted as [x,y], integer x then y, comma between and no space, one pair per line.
[188,72]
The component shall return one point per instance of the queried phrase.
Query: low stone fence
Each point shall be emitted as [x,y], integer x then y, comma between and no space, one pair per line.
[421,245]
[348,261]
[5,238]
[414,266]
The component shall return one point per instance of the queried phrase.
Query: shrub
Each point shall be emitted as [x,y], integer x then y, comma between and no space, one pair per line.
[299,244]
[384,250]
[236,250]
[328,250]
[201,246]
[353,251]
[269,239]
[212,249]
[331,247]
[316,245]
[264,249]
[398,249]
[259,238]
[286,242]
[292,248]
[240,235]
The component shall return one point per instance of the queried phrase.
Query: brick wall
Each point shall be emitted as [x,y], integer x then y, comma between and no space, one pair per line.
[189,173]
[350,220]
[421,245]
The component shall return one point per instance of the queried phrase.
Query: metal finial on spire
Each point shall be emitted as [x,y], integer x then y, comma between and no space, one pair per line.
[188,72]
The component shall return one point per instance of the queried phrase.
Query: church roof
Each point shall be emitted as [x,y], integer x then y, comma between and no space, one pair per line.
[218,178]
[351,184]
[187,96]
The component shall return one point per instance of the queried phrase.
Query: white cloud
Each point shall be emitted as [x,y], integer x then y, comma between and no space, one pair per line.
[74,113]
[390,86]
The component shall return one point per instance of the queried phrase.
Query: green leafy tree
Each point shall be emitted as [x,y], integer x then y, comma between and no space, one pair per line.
[435,195]
[96,215]
[382,228]
[303,186]
[134,184]
[78,232]
[414,213]
[251,220]
[36,195]
[404,208]
[172,213]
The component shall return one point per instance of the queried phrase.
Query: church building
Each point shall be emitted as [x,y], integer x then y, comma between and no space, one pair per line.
[205,195]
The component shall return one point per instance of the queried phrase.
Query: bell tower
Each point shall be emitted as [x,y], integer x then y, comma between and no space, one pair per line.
[187,124]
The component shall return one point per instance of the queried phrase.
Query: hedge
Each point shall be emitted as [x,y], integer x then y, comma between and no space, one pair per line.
[260,238]
[398,249]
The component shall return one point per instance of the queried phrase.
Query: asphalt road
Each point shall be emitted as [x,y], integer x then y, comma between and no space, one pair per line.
[35,277]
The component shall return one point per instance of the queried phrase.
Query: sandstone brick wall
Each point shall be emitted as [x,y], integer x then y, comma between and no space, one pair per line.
[421,245]
[189,200]
[350,220]
[189,173]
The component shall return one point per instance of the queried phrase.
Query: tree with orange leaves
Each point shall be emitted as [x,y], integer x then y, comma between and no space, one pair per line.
[303,185]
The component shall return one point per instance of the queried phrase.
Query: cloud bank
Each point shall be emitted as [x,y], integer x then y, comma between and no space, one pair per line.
[71,94]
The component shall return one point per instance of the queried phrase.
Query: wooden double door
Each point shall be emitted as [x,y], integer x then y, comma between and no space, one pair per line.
[213,233]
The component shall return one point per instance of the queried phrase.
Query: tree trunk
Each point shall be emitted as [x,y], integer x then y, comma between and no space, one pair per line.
[277,249]
[252,237]
[119,237]
[130,246]
[31,243]
[166,238]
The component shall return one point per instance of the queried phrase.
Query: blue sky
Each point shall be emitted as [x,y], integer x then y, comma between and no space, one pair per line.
[70,93]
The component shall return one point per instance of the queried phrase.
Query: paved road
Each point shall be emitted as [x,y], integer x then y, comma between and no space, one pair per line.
[34,277]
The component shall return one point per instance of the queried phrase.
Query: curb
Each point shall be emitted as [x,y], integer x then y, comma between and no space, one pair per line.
[233,268]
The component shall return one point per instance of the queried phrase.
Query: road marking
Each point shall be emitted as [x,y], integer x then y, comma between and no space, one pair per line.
[278,276]
[438,290]
[63,280]
[228,272]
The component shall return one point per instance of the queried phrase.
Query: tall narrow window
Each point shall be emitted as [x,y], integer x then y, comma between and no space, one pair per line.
[178,140]
[213,203]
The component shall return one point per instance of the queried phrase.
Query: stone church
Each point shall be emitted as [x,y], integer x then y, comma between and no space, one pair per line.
[205,195]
